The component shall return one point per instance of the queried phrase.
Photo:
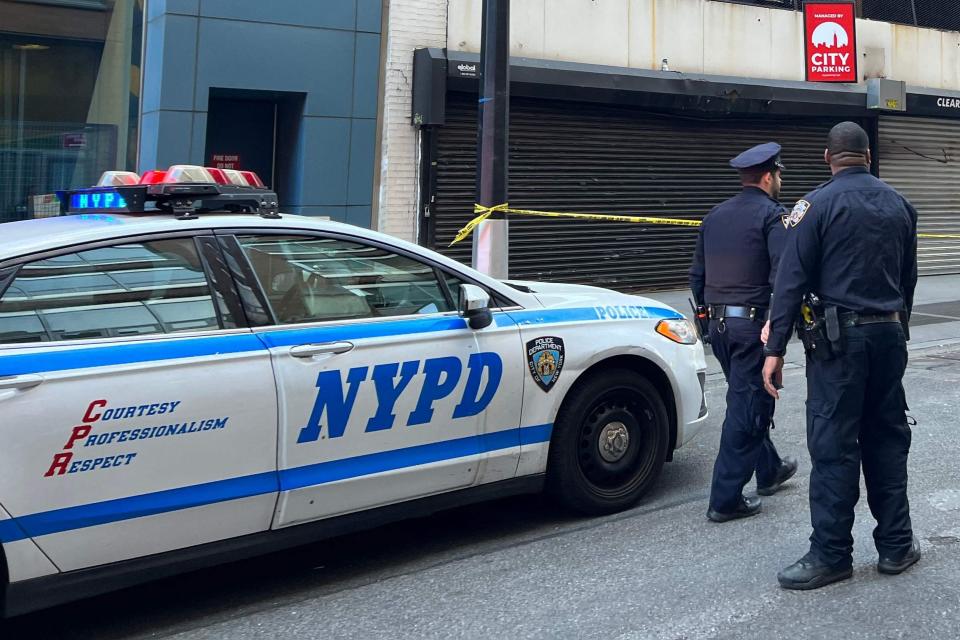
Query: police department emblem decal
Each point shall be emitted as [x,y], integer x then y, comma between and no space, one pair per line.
[799,210]
[545,358]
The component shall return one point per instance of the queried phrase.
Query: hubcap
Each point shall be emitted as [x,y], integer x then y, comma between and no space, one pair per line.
[614,441]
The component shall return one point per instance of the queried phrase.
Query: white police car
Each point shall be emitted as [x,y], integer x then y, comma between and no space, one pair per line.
[181,385]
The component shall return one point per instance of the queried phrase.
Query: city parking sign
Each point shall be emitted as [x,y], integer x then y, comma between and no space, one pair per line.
[830,41]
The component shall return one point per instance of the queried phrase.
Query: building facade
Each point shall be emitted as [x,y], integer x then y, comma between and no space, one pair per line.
[286,88]
[634,107]
[365,111]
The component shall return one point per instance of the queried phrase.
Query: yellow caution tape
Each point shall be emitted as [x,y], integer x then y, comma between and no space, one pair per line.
[485,212]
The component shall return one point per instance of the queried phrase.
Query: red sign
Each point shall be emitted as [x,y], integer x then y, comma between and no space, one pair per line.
[225,161]
[830,42]
[74,140]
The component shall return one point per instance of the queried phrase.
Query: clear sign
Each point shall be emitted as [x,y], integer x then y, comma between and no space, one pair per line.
[830,41]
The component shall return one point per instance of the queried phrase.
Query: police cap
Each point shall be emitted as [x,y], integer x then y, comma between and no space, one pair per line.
[759,157]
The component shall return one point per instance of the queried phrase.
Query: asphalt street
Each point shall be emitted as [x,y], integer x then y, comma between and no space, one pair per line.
[519,568]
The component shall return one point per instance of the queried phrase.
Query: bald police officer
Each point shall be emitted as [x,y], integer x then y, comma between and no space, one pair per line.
[732,274]
[852,242]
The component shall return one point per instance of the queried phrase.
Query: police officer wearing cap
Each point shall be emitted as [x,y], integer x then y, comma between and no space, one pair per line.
[853,243]
[732,275]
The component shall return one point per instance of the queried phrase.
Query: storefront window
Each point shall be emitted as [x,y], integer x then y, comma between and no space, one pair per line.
[69,97]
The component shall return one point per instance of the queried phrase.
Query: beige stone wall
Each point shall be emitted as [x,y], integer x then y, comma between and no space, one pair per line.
[701,36]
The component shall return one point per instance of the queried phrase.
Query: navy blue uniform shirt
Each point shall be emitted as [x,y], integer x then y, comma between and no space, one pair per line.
[853,242]
[738,249]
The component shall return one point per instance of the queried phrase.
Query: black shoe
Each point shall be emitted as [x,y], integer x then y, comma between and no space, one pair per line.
[893,567]
[747,507]
[787,469]
[810,573]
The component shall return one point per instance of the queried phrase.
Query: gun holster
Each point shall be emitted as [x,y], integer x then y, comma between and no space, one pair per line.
[834,332]
[701,320]
[819,330]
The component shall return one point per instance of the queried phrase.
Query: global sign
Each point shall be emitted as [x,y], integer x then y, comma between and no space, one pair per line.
[830,41]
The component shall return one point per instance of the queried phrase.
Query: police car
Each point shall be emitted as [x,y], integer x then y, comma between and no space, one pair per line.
[188,376]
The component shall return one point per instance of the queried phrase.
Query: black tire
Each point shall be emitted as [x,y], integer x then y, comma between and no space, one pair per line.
[583,478]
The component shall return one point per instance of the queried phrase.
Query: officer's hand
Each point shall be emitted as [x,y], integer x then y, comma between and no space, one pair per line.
[765,333]
[773,375]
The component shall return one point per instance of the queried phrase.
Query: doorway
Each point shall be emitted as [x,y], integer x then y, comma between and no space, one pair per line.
[255,131]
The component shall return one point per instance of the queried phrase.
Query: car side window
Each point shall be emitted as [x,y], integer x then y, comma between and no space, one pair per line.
[141,288]
[314,279]
[454,282]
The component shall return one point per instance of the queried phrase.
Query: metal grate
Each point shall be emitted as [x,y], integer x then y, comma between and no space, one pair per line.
[921,158]
[601,159]
[932,14]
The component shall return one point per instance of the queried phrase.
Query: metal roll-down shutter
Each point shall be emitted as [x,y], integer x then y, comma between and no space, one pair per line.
[593,158]
[920,157]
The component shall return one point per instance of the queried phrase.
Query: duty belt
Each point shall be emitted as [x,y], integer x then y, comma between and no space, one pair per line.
[721,311]
[851,319]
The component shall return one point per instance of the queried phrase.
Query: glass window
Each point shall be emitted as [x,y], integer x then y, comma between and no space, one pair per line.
[126,290]
[69,97]
[496,301]
[309,279]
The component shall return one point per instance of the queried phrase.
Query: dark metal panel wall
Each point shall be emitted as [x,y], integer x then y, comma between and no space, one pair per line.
[597,159]
[921,158]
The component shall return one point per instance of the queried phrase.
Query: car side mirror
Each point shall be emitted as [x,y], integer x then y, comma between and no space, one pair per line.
[473,303]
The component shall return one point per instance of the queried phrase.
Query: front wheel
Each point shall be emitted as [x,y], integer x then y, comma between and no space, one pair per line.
[609,443]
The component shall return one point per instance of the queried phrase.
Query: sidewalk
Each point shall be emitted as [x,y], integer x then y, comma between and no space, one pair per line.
[935,322]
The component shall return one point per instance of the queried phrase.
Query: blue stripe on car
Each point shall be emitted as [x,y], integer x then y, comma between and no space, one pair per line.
[89,515]
[65,357]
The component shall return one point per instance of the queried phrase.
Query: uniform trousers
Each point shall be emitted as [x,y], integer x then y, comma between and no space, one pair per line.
[745,445]
[856,416]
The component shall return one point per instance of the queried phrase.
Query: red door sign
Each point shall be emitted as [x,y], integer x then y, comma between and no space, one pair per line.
[225,161]
[830,41]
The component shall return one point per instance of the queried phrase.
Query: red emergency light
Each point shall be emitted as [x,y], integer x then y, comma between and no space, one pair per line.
[153,177]
[218,175]
[252,179]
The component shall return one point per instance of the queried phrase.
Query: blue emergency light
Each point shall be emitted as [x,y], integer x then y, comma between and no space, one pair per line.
[98,201]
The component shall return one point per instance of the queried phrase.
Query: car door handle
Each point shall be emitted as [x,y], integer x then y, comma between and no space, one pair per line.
[327,348]
[20,382]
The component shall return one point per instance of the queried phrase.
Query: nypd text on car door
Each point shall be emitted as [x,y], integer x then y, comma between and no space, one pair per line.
[385,393]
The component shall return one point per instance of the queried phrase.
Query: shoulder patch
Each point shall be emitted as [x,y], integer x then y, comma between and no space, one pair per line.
[799,210]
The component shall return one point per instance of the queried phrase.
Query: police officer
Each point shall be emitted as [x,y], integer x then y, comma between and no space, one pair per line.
[732,275]
[852,242]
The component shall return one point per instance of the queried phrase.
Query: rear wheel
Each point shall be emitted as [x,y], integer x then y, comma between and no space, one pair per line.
[609,443]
